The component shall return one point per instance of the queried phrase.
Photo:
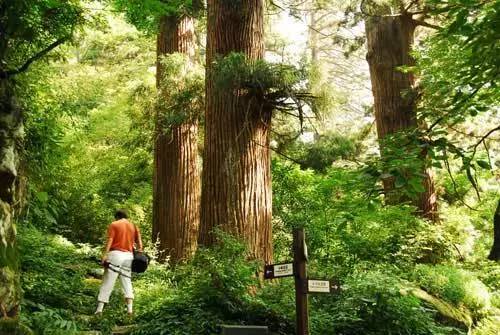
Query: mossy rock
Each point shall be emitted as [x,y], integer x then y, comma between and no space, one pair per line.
[460,317]
[10,326]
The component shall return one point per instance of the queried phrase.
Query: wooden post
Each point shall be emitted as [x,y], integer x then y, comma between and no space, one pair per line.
[300,259]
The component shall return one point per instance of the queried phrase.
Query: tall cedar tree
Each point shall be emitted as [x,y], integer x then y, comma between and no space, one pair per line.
[176,186]
[236,178]
[389,42]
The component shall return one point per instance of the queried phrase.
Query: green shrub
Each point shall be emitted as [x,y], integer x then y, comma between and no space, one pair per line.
[344,226]
[59,286]
[454,285]
[53,270]
[53,322]
[487,326]
[217,287]
[320,154]
[373,302]
[13,327]
[455,189]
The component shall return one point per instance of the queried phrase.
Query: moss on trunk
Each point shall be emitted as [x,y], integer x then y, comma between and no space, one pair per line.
[11,134]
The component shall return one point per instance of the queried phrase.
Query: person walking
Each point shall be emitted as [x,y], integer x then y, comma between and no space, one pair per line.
[117,260]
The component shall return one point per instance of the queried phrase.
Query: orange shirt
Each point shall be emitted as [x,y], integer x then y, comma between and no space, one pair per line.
[124,234]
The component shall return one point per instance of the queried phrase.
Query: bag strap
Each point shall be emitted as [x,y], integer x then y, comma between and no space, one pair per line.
[111,266]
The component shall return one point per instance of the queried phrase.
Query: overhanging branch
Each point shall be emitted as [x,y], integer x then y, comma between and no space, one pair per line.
[483,138]
[37,56]
[426,24]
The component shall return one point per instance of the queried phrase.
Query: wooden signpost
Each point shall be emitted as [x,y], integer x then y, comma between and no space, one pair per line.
[303,285]
[301,303]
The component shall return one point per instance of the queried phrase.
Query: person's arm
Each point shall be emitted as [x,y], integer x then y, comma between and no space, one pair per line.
[107,247]
[138,239]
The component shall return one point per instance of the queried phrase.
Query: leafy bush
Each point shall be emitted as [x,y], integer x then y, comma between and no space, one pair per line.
[217,287]
[14,327]
[373,302]
[454,189]
[51,322]
[51,268]
[344,226]
[489,273]
[487,326]
[321,153]
[454,285]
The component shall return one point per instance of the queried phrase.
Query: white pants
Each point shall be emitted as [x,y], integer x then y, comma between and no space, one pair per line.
[120,266]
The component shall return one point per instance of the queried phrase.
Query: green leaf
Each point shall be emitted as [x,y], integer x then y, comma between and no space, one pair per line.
[484,164]
[399,182]
[416,185]
[42,197]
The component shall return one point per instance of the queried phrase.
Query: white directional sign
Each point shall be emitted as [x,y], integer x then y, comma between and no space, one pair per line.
[278,270]
[319,286]
[282,270]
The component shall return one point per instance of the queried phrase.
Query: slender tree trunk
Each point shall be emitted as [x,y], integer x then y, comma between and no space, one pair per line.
[389,42]
[236,194]
[176,208]
[313,35]
[495,249]
[11,133]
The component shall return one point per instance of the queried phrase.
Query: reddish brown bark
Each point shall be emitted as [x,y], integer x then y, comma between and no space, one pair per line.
[236,193]
[176,194]
[389,42]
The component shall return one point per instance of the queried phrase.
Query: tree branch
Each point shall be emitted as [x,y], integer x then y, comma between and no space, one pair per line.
[460,197]
[413,2]
[37,56]
[426,24]
[483,138]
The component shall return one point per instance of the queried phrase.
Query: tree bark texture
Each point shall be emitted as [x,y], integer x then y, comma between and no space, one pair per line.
[176,185]
[236,194]
[389,42]
[495,249]
[11,134]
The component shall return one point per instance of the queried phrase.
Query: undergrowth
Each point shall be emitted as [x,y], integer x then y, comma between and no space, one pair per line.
[380,254]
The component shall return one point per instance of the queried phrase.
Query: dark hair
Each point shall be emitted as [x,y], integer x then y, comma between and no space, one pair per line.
[121,214]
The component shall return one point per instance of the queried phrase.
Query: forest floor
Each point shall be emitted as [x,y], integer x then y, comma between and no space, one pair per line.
[61,281]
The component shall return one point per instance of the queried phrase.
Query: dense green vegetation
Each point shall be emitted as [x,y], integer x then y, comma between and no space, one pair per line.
[89,123]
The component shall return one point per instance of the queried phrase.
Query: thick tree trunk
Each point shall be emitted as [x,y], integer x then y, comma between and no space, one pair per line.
[495,249]
[236,194]
[176,204]
[389,42]
[11,133]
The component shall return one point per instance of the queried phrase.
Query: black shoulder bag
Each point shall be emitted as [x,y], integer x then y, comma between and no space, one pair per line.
[141,260]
